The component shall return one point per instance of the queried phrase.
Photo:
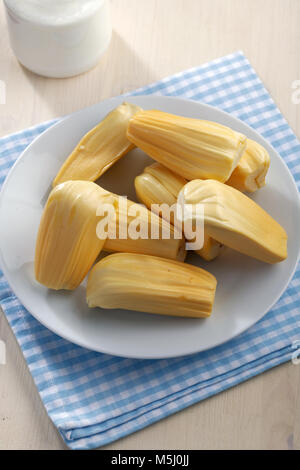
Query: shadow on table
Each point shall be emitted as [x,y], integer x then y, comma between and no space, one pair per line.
[120,70]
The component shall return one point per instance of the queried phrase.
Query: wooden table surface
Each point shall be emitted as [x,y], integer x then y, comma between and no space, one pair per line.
[153,39]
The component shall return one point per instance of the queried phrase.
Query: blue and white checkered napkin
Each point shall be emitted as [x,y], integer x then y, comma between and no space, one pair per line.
[94,398]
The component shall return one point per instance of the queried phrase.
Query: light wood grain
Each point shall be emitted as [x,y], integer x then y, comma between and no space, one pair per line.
[153,39]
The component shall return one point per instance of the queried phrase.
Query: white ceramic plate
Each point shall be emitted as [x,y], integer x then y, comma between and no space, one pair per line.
[246,290]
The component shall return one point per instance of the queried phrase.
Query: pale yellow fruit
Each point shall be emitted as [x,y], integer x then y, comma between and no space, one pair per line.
[192,148]
[250,173]
[151,284]
[159,185]
[67,244]
[100,148]
[235,220]
[169,242]
[211,248]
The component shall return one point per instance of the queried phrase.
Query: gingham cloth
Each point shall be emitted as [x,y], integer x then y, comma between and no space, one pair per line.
[94,398]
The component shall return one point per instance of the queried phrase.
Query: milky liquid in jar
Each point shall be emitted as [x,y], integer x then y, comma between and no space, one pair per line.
[58,38]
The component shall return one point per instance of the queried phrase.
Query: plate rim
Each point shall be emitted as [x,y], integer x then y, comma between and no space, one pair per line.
[83,344]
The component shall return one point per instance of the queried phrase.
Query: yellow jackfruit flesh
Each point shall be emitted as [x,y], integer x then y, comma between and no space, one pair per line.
[100,148]
[235,220]
[250,173]
[140,231]
[151,284]
[192,148]
[159,185]
[67,244]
